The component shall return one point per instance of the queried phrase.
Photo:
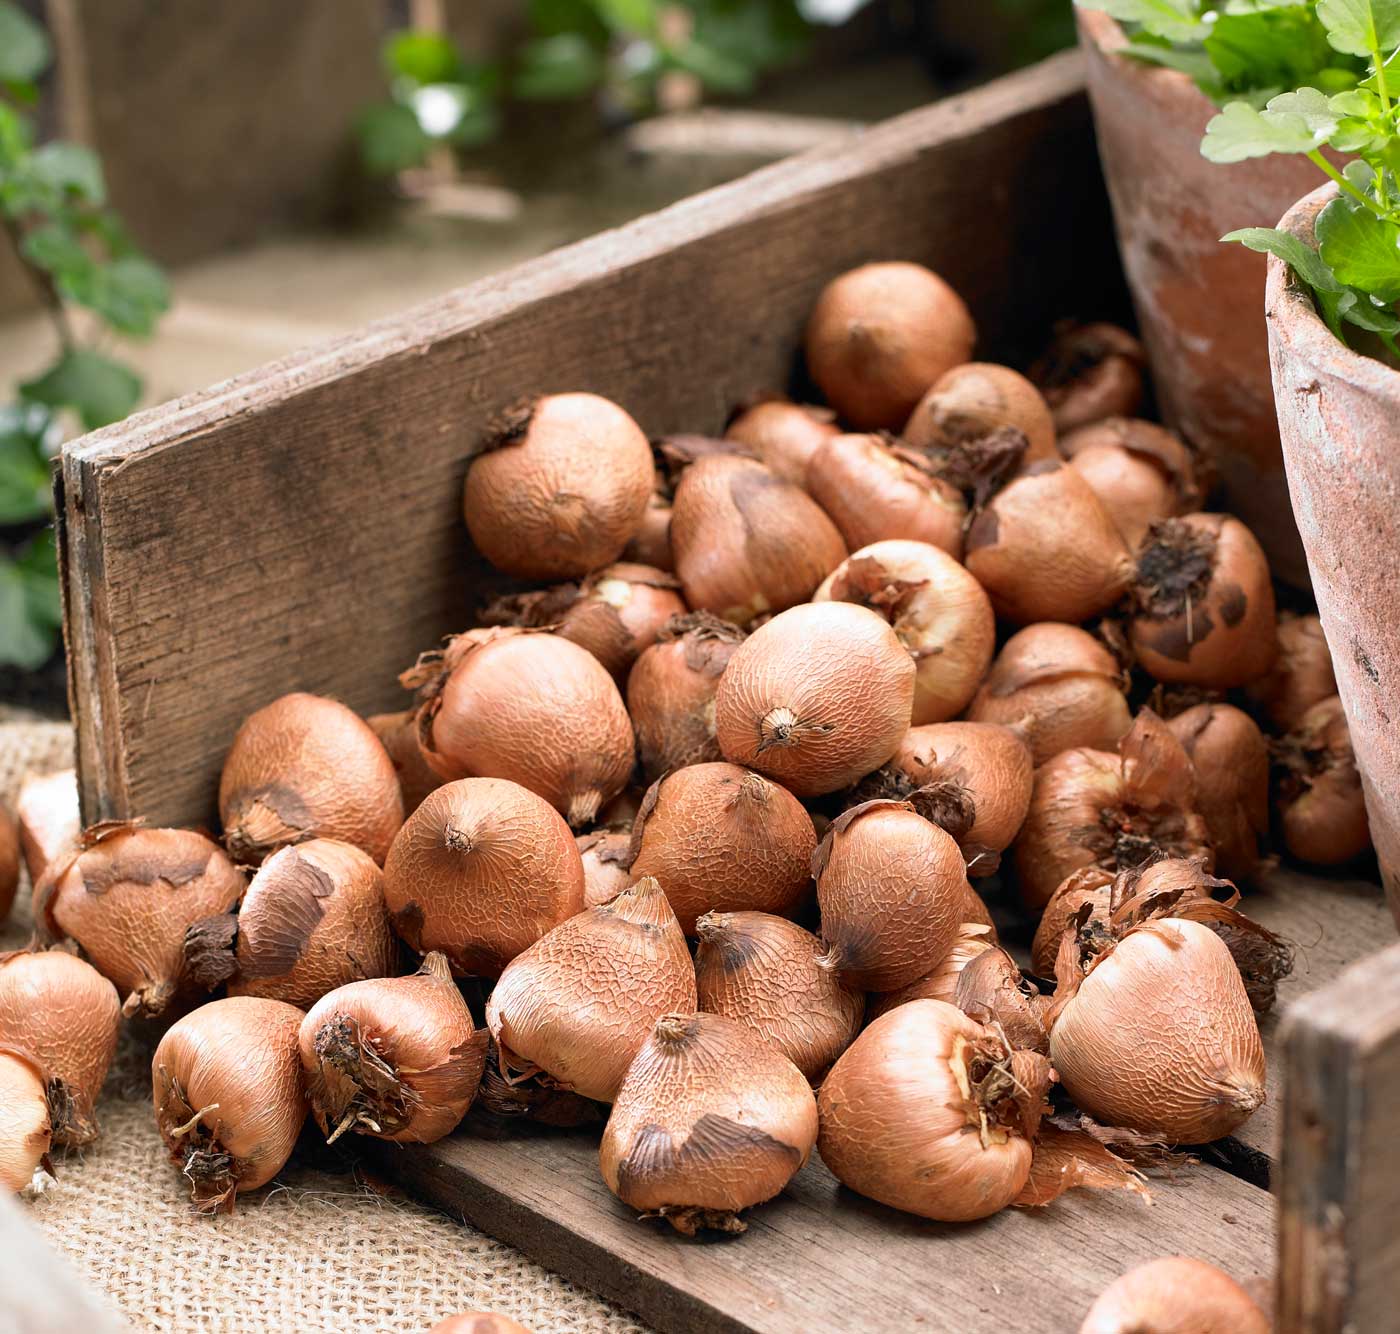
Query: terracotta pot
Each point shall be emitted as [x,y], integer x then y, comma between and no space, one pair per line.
[1194,297]
[1339,417]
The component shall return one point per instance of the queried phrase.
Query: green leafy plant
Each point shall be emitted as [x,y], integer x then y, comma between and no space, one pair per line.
[54,213]
[1354,271]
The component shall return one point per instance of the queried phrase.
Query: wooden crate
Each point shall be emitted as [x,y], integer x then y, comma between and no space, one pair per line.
[298,528]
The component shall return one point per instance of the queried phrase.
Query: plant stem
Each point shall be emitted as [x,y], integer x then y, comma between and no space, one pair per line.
[48,292]
[1322,164]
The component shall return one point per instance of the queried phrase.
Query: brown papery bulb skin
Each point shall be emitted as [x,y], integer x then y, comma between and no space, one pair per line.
[671,692]
[1204,603]
[1057,687]
[1045,549]
[1175,1295]
[990,763]
[480,871]
[560,487]
[1321,803]
[880,335]
[307,767]
[937,610]
[1089,372]
[25,1132]
[746,542]
[9,860]
[606,856]
[768,974]
[1160,1037]
[783,436]
[229,1096]
[129,899]
[973,938]
[651,543]
[1231,759]
[891,888]
[66,1015]
[917,1114]
[478,1322]
[396,1058]
[816,698]
[1302,674]
[723,838]
[399,734]
[1140,471]
[871,493]
[710,1120]
[49,823]
[532,708]
[971,401]
[1092,885]
[579,1003]
[311,920]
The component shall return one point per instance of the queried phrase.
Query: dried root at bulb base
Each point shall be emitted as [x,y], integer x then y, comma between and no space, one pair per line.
[972,401]
[1089,372]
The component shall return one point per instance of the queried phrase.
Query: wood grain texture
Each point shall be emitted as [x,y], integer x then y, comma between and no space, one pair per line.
[821,1257]
[1339,1175]
[298,527]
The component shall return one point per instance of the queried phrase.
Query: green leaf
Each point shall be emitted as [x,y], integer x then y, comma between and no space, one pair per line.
[1293,123]
[100,390]
[1298,255]
[1365,314]
[25,493]
[1176,20]
[1196,65]
[71,168]
[130,293]
[633,17]
[24,45]
[55,248]
[38,567]
[1361,249]
[1359,27]
[423,57]
[25,639]
[391,140]
[556,68]
[553,18]
[716,70]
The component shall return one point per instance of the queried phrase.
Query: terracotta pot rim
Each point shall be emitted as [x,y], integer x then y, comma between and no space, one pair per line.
[1289,306]
[1107,35]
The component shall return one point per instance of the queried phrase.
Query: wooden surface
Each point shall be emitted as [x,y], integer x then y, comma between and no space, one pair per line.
[297,528]
[820,1257]
[1339,1176]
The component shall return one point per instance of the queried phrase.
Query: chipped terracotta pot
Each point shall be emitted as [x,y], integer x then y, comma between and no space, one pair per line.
[1194,297]
[1339,418]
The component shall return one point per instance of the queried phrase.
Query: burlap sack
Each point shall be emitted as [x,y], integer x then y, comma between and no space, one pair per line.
[312,1252]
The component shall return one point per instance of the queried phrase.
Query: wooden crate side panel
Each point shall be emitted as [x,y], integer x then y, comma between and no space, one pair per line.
[298,528]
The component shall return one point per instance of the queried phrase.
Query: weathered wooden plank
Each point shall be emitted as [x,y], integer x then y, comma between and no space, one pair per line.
[298,527]
[821,1257]
[1339,1174]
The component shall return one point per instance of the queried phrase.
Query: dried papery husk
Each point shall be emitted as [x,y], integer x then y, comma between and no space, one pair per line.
[711,1120]
[1057,687]
[606,855]
[891,888]
[991,989]
[480,871]
[614,613]
[399,734]
[879,336]
[1066,1160]
[978,467]
[9,860]
[25,1130]
[1231,759]
[992,764]
[1159,1036]
[651,543]
[783,436]
[973,400]
[559,486]
[675,453]
[535,1099]
[746,542]
[66,1015]
[816,698]
[769,975]
[579,1003]
[1141,472]
[1322,809]
[130,898]
[1203,603]
[307,767]
[874,489]
[671,692]
[937,610]
[930,1112]
[530,707]
[1089,372]
[1175,1295]
[1090,888]
[1302,674]
[1091,808]
[1046,549]
[49,822]
[941,984]
[395,1058]
[230,1097]
[311,920]
[478,1322]
[723,838]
